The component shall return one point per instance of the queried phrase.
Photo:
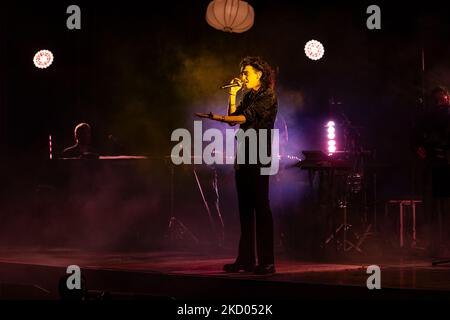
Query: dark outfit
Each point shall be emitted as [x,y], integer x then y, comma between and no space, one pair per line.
[75,152]
[260,110]
[432,132]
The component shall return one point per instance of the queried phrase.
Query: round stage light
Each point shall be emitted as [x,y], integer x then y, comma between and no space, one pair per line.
[331,130]
[43,59]
[332,149]
[314,50]
[331,124]
[331,136]
[332,143]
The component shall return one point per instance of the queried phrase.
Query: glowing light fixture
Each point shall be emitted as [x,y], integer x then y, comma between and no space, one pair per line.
[331,131]
[314,50]
[50,151]
[230,15]
[43,59]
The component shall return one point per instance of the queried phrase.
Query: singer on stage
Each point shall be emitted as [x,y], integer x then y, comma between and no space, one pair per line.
[257,110]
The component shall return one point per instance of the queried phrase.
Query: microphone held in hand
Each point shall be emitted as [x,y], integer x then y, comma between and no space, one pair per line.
[236,82]
[230,85]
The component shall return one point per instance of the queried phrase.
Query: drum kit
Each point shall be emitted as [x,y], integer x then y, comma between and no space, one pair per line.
[347,191]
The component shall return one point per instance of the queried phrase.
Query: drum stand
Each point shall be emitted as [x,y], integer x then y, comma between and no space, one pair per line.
[176,230]
[345,227]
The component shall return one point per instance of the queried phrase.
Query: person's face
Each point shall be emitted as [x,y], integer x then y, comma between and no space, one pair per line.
[251,77]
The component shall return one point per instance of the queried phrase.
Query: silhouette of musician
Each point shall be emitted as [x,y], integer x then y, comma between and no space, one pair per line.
[82,148]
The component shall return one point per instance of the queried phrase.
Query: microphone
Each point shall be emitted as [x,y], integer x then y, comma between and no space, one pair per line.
[226,86]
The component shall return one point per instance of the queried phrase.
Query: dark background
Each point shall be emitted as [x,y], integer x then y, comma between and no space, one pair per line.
[138,71]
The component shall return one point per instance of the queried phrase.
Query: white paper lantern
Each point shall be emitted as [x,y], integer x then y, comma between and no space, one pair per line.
[230,15]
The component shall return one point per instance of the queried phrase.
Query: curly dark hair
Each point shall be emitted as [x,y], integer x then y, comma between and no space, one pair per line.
[268,75]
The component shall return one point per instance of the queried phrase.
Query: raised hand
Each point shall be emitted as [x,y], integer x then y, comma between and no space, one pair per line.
[234,90]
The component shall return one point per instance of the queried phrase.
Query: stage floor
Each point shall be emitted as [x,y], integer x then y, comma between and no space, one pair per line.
[32,273]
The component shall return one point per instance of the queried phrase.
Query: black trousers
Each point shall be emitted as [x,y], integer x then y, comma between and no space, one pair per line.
[255,215]
[434,187]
